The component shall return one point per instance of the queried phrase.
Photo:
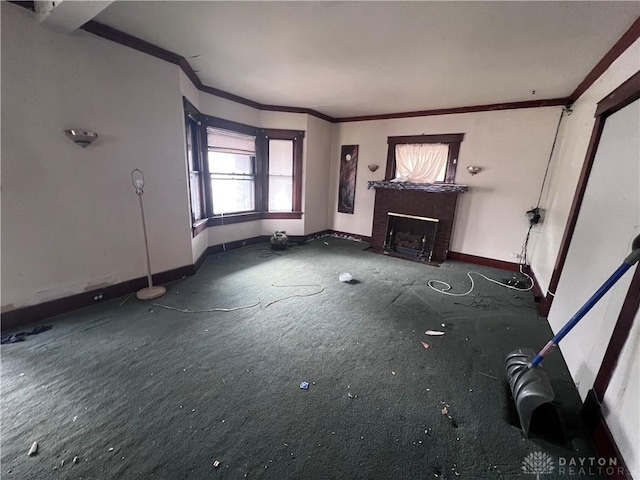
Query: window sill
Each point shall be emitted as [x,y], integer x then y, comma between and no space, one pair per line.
[219,220]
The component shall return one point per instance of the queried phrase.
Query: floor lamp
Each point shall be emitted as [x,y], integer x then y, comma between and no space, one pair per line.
[150,292]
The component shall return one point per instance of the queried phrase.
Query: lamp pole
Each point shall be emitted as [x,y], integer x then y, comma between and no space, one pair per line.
[150,292]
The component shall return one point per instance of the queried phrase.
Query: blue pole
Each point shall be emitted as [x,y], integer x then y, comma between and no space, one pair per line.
[581,313]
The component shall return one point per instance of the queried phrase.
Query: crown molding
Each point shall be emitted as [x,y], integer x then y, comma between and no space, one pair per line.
[627,39]
[552,102]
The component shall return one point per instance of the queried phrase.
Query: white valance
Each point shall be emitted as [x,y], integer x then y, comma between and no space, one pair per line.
[225,141]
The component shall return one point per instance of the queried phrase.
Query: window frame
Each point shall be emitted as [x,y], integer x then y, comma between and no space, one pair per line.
[452,139]
[261,170]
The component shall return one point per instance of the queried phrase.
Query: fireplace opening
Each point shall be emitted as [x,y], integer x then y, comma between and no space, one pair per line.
[410,235]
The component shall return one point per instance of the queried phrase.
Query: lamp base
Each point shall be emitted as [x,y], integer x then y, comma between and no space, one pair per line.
[149,293]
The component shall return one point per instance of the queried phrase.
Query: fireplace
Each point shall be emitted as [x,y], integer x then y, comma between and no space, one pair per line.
[411,235]
[432,206]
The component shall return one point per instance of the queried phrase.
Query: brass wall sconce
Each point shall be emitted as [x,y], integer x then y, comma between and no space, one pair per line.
[373,168]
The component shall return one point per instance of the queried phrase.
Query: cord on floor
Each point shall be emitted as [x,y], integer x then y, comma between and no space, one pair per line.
[259,302]
[445,290]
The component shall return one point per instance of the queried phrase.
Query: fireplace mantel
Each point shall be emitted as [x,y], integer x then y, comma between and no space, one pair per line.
[436,201]
[425,187]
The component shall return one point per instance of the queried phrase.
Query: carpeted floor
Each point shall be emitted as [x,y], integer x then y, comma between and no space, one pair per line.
[139,391]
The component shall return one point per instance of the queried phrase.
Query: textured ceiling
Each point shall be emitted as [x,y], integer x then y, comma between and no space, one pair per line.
[359,58]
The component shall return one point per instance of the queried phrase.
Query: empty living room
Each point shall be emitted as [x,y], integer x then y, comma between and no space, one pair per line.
[320,239]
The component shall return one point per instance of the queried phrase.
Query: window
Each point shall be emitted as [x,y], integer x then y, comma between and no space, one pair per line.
[239,173]
[195,170]
[231,164]
[423,158]
[280,175]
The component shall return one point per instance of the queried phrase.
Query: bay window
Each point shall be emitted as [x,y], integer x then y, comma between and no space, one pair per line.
[241,173]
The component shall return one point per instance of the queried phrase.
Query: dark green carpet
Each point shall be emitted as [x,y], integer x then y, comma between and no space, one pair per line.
[172,392]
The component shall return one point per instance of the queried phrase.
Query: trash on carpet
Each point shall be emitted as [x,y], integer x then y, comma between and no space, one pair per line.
[487,375]
[445,410]
[345,277]
[75,460]
[19,337]
[111,449]
[33,450]
[350,395]
[425,344]
[434,333]
[304,385]
[216,464]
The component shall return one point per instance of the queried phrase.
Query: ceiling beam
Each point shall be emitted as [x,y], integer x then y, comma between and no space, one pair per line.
[67,15]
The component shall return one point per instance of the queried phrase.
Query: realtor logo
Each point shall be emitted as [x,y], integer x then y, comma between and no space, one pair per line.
[537,463]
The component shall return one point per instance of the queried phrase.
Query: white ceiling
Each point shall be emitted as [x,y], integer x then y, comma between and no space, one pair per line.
[360,58]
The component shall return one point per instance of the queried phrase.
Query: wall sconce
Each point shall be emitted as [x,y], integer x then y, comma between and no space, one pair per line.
[373,168]
[473,170]
[82,138]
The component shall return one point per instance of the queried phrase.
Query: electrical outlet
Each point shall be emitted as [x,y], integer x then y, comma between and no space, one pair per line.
[97,297]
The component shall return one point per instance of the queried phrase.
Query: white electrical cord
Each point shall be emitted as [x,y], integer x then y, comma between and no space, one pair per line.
[259,302]
[445,290]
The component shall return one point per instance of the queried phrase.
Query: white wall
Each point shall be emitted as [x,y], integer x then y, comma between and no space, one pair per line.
[317,178]
[607,223]
[512,147]
[621,400]
[70,218]
[569,155]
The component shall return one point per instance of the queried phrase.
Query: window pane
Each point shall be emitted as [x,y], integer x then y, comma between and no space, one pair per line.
[281,157]
[280,194]
[230,163]
[232,194]
[194,187]
[422,163]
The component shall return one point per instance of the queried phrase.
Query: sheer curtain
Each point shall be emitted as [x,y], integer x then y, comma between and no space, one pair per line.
[421,162]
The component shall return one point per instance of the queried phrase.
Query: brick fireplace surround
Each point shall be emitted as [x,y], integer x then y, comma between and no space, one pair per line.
[440,205]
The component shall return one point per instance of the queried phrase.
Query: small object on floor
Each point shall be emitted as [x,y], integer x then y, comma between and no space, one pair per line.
[445,410]
[454,424]
[216,464]
[33,450]
[345,277]
[111,449]
[304,385]
[393,373]
[76,459]
[434,333]
[425,344]
[62,463]
[279,240]
[19,337]
[487,375]
[326,243]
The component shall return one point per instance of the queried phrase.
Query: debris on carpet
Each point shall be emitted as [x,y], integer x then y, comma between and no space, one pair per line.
[19,337]
[33,450]
[434,333]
